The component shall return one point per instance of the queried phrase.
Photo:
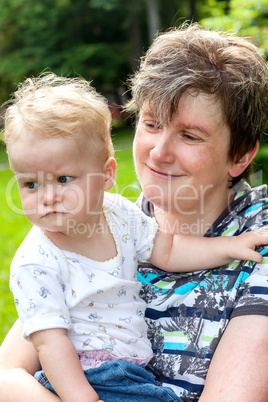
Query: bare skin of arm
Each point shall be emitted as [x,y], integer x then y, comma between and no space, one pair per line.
[239,368]
[61,364]
[183,253]
[18,363]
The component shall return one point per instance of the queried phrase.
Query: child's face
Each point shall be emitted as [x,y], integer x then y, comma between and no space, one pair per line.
[61,187]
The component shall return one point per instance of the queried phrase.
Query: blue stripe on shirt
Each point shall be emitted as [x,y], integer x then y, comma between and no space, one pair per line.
[259,290]
[188,312]
[196,388]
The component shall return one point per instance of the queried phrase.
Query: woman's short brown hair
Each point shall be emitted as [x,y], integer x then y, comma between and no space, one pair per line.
[222,64]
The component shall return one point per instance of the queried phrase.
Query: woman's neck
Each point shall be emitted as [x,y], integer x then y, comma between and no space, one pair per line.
[196,224]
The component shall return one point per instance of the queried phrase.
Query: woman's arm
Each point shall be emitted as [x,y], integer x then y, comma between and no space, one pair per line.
[239,368]
[18,363]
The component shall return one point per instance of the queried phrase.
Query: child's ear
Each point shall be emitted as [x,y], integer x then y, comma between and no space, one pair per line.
[109,173]
[238,167]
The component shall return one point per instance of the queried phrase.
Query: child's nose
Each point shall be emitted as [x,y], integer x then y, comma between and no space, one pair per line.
[50,195]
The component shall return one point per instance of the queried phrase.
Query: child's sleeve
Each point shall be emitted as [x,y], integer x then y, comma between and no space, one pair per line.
[38,286]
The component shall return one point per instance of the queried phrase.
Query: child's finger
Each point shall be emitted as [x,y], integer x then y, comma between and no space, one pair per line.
[263,231]
[257,237]
[252,255]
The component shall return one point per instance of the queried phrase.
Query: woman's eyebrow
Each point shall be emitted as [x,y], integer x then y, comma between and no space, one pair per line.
[198,128]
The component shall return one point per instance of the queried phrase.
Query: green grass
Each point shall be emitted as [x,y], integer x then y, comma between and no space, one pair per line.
[14,226]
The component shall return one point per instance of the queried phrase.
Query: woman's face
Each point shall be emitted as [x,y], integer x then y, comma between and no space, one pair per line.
[183,167]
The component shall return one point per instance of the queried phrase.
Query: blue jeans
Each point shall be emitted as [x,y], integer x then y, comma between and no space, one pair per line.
[117,381]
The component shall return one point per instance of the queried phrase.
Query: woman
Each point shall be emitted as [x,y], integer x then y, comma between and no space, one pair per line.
[201,105]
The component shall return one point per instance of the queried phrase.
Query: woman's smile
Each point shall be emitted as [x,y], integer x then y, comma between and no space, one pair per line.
[164,174]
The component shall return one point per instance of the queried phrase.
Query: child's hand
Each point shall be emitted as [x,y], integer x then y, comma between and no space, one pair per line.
[243,246]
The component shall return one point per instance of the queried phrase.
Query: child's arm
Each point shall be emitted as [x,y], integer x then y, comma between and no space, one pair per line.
[182,253]
[61,364]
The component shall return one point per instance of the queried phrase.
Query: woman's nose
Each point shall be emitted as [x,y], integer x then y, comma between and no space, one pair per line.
[163,151]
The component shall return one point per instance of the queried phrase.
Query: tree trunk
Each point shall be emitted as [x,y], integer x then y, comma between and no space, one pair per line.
[192,10]
[153,19]
[135,39]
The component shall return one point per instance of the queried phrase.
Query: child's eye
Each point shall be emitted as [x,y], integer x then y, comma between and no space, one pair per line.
[64,179]
[32,184]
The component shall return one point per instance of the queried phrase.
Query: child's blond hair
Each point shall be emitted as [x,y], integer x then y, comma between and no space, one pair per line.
[53,106]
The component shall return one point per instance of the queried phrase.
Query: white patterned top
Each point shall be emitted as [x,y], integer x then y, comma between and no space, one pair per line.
[97,302]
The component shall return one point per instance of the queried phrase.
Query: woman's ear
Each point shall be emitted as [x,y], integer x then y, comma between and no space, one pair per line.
[238,167]
[109,173]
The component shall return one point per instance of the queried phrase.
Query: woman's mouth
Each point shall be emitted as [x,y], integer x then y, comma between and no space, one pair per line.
[162,174]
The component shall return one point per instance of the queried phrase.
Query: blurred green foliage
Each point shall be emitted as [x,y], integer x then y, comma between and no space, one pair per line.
[102,40]
[261,166]
[247,18]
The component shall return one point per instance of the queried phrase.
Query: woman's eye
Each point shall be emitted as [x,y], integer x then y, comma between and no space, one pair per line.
[64,179]
[190,137]
[152,125]
[32,184]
